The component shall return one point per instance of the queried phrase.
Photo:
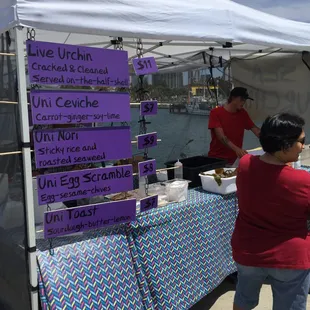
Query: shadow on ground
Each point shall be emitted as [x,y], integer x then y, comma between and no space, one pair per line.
[208,301]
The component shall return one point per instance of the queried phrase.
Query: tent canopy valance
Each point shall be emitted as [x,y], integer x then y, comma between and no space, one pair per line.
[171,31]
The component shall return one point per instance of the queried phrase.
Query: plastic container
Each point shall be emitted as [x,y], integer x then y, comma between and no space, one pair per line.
[192,166]
[162,176]
[142,186]
[177,191]
[178,172]
[228,185]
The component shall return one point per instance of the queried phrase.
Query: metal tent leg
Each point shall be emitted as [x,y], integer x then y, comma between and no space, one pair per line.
[27,169]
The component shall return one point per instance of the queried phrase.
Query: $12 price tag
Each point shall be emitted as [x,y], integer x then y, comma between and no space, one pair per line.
[147,167]
[145,65]
[146,141]
[148,203]
[148,107]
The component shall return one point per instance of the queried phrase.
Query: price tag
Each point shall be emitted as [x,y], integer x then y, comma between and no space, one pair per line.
[148,203]
[146,141]
[145,65]
[147,168]
[148,107]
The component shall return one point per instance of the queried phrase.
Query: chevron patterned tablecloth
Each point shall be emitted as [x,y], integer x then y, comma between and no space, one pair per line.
[185,249]
[168,259]
[93,274]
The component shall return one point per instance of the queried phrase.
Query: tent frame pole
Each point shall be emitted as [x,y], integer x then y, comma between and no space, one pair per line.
[27,167]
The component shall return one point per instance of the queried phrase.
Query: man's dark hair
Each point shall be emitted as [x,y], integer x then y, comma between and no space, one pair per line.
[280,132]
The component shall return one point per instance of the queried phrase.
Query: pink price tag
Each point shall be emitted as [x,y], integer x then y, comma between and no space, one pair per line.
[147,168]
[148,203]
[148,107]
[145,65]
[146,141]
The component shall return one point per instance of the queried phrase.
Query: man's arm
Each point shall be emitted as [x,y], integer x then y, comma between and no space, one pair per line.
[256,131]
[221,136]
[249,124]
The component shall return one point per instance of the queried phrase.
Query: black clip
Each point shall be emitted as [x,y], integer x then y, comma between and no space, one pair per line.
[33,288]
[32,249]
[25,145]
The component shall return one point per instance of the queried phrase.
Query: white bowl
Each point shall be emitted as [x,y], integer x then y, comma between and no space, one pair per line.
[228,185]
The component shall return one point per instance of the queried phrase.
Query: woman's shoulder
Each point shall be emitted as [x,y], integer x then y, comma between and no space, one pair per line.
[299,174]
[297,180]
[247,159]
[254,160]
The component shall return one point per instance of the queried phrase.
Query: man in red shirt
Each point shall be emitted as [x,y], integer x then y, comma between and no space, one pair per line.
[227,125]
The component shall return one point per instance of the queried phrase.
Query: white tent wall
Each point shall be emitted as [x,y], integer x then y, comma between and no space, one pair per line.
[171,31]
[277,83]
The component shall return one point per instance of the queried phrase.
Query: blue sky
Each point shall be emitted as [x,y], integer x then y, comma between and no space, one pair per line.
[298,10]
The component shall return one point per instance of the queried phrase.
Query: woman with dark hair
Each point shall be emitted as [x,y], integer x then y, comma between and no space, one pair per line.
[270,240]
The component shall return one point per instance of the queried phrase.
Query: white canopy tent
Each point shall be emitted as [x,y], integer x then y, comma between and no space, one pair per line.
[222,20]
[171,31]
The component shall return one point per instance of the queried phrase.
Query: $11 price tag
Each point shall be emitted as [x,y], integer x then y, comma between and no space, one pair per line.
[146,141]
[148,203]
[145,65]
[147,167]
[148,107]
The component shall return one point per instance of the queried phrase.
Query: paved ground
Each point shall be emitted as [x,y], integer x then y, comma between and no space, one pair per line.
[222,298]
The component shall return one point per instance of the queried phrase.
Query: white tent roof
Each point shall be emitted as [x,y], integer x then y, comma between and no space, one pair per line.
[172,31]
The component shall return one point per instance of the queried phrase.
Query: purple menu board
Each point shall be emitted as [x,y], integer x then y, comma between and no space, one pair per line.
[63,64]
[145,65]
[148,107]
[147,140]
[147,167]
[75,107]
[69,221]
[148,203]
[74,146]
[86,183]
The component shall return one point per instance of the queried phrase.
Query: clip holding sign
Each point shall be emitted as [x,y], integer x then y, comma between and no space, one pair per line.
[148,107]
[145,65]
[148,203]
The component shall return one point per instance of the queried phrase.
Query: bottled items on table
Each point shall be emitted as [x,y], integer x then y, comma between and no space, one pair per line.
[178,172]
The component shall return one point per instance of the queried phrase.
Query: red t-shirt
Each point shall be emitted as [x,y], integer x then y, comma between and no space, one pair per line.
[233,125]
[271,227]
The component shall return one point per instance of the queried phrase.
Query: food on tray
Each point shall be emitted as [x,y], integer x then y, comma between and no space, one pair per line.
[222,173]
[219,170]
[121,196]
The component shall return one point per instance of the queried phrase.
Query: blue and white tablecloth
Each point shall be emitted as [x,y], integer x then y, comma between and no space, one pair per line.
[97,273]
[169,258]
[185,248]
